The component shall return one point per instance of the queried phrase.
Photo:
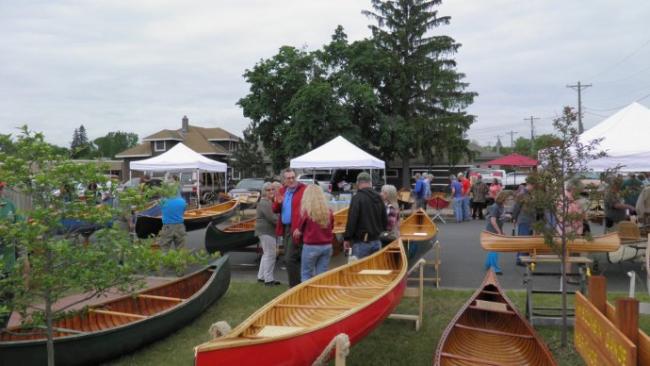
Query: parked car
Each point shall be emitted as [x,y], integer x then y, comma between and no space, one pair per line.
[513,179]
[135,182]
[323,179]
[247,186]
[487,175]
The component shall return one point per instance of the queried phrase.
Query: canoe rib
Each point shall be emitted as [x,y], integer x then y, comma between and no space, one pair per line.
[488,330]
[312,313]
[502,243]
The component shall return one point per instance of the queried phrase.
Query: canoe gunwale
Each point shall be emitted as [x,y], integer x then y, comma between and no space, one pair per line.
[236,341]
[600,243]
[214,267]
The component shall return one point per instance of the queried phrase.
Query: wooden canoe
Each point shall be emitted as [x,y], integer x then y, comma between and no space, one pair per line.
[228,236]
[488,330]
[147,225]
[418,227]
[502,243]
[340,220]
[295,327]
[121,325]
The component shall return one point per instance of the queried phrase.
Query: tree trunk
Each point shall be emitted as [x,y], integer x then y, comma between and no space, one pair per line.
[564,294]
[50,333]
[406,176]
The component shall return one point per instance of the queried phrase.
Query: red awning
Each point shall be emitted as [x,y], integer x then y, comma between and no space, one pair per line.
[513,160]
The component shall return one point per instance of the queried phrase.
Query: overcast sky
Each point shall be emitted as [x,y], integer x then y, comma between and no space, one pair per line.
[139,66]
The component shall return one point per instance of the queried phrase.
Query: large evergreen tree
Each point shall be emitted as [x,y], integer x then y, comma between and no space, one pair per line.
[423,96]
[80,147]
[248,158]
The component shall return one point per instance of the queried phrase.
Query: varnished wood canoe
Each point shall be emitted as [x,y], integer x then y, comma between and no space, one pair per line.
[418,227]
[295,327]
[228,236]
[488,330]
[121,325]
[147,225]
[502,243]
[340,220]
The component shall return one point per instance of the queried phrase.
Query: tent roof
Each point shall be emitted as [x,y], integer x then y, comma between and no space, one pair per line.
[337,153]
[179,157]
[624,138]
[623,133]
[513,159]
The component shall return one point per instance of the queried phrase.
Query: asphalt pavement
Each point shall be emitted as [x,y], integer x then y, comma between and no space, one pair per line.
[462,261]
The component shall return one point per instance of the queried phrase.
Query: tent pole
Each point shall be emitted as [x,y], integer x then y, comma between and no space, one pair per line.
[198,188]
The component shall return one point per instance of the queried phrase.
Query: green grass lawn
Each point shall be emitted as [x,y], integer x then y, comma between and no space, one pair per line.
[395,342]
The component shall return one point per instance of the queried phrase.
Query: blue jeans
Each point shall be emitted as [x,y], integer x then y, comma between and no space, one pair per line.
[492,261]
[315,260]
[523,229]
[458,208]
[466,211]
[362,249]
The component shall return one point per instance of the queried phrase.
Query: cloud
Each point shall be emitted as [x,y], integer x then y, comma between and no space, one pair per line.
[139,66]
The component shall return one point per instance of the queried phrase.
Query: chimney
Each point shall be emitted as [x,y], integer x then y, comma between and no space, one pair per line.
[186,124]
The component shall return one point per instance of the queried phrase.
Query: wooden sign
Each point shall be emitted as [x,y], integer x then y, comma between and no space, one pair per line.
[598,340]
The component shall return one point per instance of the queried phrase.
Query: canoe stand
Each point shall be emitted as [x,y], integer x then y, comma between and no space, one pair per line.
[551,315]
[435,264]
[414,292]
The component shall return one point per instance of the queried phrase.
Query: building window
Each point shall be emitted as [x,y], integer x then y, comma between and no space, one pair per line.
[159,146]
[235,174]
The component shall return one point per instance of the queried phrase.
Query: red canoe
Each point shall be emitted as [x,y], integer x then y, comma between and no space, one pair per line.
[295,327]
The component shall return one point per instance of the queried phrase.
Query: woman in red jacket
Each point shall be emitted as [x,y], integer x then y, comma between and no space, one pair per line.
[315,228]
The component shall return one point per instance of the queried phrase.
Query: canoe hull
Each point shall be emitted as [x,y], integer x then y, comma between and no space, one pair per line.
[501,243]
[488,330]
[94,348]
[217,240]
[305,348]
[147,226]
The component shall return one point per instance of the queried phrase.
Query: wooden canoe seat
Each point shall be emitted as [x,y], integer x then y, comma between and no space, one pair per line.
[316,307]
[493,331]
[488,292]
[117,313]
[276,331]
[496,307]
[375,272]
[156,297]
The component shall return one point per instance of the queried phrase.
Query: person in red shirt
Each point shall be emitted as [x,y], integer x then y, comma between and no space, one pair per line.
[467,186]
[315,229]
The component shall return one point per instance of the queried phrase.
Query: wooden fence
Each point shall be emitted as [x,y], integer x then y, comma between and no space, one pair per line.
[606,334]
[22,201]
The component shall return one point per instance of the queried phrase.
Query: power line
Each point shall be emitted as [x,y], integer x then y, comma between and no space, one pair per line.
[619,107]
[607,69]
[579,88]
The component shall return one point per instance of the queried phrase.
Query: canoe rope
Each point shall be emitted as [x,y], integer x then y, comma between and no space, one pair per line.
[219,329]
[343,340]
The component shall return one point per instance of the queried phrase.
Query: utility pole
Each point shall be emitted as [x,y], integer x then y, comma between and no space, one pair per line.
[532,132]
[498,144]
[512,138]
[579,86]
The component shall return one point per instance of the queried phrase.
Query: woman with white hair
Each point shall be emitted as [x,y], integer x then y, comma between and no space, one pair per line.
[389,195]
[265,230]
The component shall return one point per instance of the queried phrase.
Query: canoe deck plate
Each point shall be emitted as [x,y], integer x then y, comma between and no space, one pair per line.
[277,331]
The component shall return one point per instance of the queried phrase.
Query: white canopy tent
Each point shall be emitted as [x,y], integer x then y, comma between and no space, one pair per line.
[181,158]
[625,140]
[338,153]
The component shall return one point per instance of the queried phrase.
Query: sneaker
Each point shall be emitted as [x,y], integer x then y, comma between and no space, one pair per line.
[499,273]
[272,283]
[260,280]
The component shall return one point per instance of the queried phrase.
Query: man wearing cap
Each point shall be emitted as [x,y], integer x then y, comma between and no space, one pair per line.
[366,219]
[287,204]
[7,252]
[524,214]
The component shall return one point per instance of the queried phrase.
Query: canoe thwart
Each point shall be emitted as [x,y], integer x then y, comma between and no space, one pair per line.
[156,297]
[495,332]
[117,313]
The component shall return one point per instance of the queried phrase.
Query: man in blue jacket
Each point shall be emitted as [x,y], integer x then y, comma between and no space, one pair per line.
[419,191]
[173,230]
